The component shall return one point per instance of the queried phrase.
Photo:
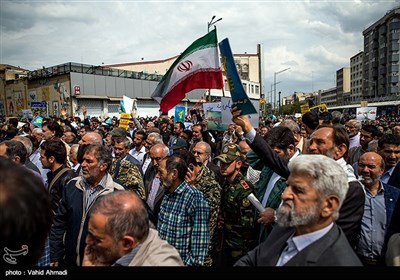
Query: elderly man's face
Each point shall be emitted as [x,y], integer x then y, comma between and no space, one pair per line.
[301,204]
[92,169]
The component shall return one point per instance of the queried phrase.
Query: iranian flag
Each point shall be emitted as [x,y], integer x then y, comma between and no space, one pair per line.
[198,67]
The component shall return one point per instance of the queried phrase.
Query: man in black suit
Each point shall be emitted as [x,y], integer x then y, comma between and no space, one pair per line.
[394,180]
[153,186]
[389,149]
[330,141]
[306,234]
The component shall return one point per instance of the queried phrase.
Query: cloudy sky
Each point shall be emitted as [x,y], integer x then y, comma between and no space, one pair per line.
[312,38]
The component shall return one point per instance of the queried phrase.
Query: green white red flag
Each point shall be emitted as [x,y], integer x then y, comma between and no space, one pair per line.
[198,67]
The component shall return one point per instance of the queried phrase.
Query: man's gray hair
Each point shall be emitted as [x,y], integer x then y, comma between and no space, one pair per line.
[27,143]
[208,147]
[157,138]
[291,124]
[328,177]
[37,130]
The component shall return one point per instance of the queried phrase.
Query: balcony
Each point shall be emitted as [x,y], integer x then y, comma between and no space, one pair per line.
[394,26]
[394,58]
[382,30]
[393,47]
[394,36]
[393,79]
[394,90]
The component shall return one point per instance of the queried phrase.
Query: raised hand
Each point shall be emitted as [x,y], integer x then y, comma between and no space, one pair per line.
[84,110]
[241,120]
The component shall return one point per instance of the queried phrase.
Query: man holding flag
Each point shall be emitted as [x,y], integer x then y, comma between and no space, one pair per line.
[198,67]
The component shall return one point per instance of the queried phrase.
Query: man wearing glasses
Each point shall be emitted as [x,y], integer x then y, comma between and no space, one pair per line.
[153,186]
[202,154]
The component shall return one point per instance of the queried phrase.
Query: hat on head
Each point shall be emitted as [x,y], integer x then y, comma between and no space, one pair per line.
[230,152]
[179,143]
[118,132]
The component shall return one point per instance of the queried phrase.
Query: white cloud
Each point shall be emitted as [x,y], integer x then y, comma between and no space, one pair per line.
[313,38]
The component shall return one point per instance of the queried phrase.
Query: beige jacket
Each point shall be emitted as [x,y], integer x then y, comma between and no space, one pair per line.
[393,251]
[156,252]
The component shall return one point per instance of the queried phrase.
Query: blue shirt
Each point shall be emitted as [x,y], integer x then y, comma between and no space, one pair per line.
[373,225]
[386,176]
[183,222]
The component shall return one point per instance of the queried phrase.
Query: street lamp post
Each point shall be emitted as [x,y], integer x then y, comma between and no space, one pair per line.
[279,102]
[275,83]
[212,22]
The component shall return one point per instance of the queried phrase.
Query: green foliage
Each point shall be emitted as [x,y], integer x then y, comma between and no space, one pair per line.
[291,109]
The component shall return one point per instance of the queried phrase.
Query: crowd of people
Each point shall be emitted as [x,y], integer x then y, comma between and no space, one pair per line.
[319,190]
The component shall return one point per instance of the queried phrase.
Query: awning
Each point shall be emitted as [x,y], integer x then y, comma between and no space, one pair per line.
[90,97]
[114,98]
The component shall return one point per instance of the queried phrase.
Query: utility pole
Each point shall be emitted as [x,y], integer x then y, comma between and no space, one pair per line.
[279,102]
[275,83]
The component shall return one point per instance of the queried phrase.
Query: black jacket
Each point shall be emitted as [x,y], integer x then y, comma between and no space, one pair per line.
[56,188]
[352,209]
[332,249]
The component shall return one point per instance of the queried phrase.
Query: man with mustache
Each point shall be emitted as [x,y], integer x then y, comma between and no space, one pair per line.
[69,229]
[330,141]
[389,149]
[380,202]
[306,234]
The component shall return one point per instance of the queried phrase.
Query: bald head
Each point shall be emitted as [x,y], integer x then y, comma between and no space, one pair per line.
[157,153]
[117,208]
[160,149]
[91,138]
[370,168]
[374,156]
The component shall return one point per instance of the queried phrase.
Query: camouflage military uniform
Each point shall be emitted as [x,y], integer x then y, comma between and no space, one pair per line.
[239,217]
[208,185]
[129,177]
[238,213]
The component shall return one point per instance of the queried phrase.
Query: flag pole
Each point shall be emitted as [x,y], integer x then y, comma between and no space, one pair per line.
[198,67]
[209,24]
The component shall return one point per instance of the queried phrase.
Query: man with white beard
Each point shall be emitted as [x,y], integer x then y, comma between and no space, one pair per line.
[306,234]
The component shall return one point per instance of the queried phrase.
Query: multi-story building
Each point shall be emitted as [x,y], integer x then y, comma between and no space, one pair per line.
[343,86]
[381,58]
[101,88]
[328,97]
[356,78]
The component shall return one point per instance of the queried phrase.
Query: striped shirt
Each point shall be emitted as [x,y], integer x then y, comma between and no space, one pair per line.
[91,193]
[183,222]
